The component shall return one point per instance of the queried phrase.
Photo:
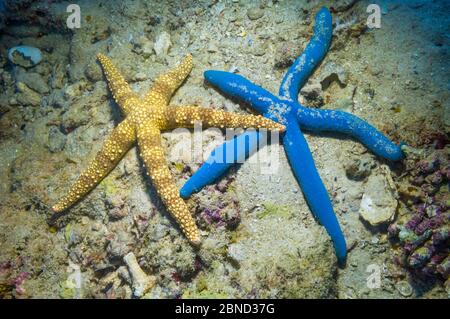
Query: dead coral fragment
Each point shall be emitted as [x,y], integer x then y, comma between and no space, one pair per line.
[141,282]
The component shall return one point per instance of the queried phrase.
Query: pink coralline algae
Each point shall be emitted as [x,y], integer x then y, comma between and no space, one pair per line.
[424,233]
[220,208]
[222,216]
[18,281]
[11,278]
[5,267]
[212,216]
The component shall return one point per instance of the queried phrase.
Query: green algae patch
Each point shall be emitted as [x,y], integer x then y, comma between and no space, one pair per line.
[271,209]
[108,186]
[238,234]
[52,229]
[179,167]
[234,237]
[203,290]
[68,233]
[231,188]
[67,293]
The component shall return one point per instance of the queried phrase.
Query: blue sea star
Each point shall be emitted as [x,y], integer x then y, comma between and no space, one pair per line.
[286,110]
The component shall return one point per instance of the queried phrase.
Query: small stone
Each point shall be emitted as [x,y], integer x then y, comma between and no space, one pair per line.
[116,207]
[141,282]
[57,77]
[93,72]
[375,240]
[218,8]
[313,94]
[27,96]
[123,273]
[411,192]
[159,232]
[13,101]
[233,69]
[331,72]
[235,253]
[143,46]
[140,76]
[232,17]
[162,44]
[375,69]
[74,117]
[255,13]
[286,54]
[359,168]
[369,91]
[378,203]
[34,81]
[84,220]
[119,246]
[6,78]
[101,33]
[56,140]
[73,90]
[154,20]
[97,226]
[25,56]
[212,47]
[118,213]
[258,50]
[147,49]
[404,288]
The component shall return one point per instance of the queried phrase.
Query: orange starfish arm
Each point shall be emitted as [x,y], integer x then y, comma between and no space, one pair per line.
[152,153]
[166,84]
[114,148]
[186,116]
[121,91]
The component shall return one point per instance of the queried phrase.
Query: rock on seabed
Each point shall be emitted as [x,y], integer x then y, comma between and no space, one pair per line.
[378,203]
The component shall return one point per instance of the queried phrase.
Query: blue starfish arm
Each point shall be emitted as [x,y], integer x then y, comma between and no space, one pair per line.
[239,87]
[346,123]
[302,164]
[240,147]
[220,161]
[315,51]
